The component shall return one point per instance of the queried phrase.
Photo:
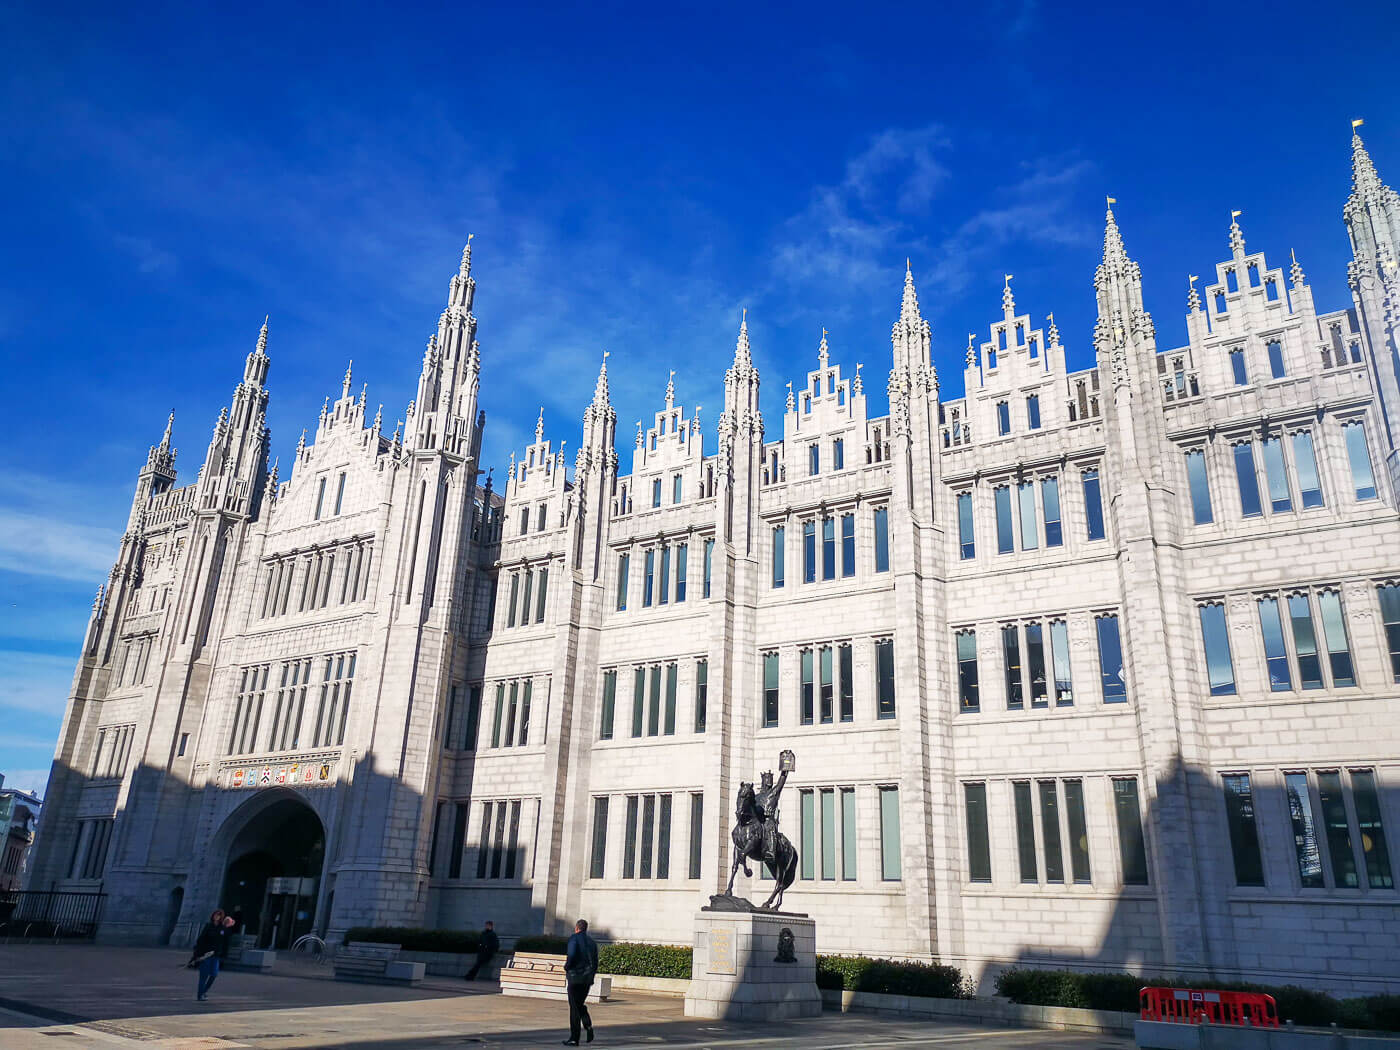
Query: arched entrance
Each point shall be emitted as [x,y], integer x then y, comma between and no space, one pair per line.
[273,872]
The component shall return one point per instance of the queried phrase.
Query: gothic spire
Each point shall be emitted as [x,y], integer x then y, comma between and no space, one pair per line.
[909,308]
[1236,235]
[169,428]
[1054,330]
[262,337]
[1193,297]
[345,383]
[1295,272]
[823,351]
[255,370]
[600,389]
[539,427]
[742,357]
[1115,256]
[466,269]
[671,390]
[1008,301]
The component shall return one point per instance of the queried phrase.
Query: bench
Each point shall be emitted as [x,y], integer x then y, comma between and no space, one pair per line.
[375,964]
[542,977]
[244,955]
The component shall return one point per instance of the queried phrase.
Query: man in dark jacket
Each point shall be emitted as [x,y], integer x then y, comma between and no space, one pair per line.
[486,948]
[210,949]
[580,967]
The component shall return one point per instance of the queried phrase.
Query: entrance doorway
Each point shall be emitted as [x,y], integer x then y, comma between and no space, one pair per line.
[274,872]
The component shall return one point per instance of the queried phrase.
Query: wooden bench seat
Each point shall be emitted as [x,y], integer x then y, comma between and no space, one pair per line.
[375,964]
[541,976]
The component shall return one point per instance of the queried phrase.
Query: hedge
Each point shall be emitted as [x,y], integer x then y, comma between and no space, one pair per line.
[644,960]
[1119,991]
[856,973]
[545,943]
[414,939]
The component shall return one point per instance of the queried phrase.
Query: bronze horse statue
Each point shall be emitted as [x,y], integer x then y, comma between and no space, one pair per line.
[756,837]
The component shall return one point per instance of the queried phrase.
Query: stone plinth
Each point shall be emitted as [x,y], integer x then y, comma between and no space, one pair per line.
[735,975]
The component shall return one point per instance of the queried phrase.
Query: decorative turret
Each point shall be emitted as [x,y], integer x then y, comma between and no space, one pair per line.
[1193,298]
[446,404]
[1123,325]
[1236,235]
[1295,272]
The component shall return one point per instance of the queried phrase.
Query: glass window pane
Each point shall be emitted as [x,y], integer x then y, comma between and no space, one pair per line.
[1338,829]
[1059,655]
[1050,831]
[770,689]
[967,547]
[779,539]
[622,583]
[1035,665]
[884,671]
[1025,831]
[848,545]
[979,850]
[1011,662]
[1304,641]
[1276,359]
[828,799]
[654,703]
[600,838]
[1216,637]
[682,570]
[1131,848]
[1003,418]
[697,833]
[1390,616]
[808,820]
[807,686]
[1277,475]
[891,867]
[1093,505]
[1334,630]
[709,561]
[809,552]
[1368,822]
[828,706]
[648,579]
[1050,497]
[1078,830]
[1030,530]
[848,833]
[1199,484]
[1360,457]
[828,548]
[639,700]
[1305,463]
[1248,482]
[1237,367]
[1006,542]
[1305,845]
[609,704]
[648,822]
[1244,836]
[669,726]
[1115,684]
[1033,411]
[847,683]
[1275,652]
[882,539]
[968,698]
[665,580]
[663,838]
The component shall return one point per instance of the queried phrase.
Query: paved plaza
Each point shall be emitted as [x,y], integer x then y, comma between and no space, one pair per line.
[66,997]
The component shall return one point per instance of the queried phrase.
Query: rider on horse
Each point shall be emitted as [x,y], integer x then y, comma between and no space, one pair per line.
[766,814]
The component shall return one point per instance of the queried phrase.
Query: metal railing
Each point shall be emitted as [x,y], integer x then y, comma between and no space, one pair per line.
[52,915]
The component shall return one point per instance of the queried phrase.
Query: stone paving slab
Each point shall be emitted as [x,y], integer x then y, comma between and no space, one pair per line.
[65,997]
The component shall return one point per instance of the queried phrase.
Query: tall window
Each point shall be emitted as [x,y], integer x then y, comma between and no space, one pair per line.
[1003,418]
[979,850]
[677,486]
[1030,530]
[828,548]
[1305,463]
[807,687]
[846,673]
[968,697]
[1078,831]
[1132,851]
[682,570]
[656,492]
[1303,820]
[1275,651]
[1337,829]
[1237,368]
[320,497]
[882,539]
[702,694]
[1115,686]
[649,578]
[1025,831]
[1390,616]
[770,690]
[814,459]
[337,678]
[1033,411]
[1035,665]
[697,833]
[340,492]
[827,700]
[598,861]
[807,819]
[1276,359]
[709,561]
[1011,661]
[1244,835]
[540,597]
[1093,505]
[605,729]
[514,596]
[1334,632]
[1050,497]
[809,552]
[664,583]
[1216,636]
[1248,481]
[848,834]
[884,678]
[1059,658]
[654,702]
[890,863]
[1199,484]
[967,546]
[629,842]
[1280,502]
[1372,835]
[639,700]
[779,556]
[1362,478]
[848,545]
[1305,641]
[838,454]
[1006,537]
[1050,831]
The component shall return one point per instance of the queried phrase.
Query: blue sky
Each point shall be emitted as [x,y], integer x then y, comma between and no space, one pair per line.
[634,175]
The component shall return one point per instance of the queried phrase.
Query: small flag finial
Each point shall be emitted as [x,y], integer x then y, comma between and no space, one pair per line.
[1008,277]
[1235,215]
[1111,201]
[1191,280]
[1356,124]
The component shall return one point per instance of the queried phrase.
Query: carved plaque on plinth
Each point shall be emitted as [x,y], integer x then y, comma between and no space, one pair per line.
[722,958]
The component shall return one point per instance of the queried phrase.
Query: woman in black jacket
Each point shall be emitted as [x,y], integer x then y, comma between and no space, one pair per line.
[211,946]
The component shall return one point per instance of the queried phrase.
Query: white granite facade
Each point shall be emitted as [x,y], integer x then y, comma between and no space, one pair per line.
[1172,576]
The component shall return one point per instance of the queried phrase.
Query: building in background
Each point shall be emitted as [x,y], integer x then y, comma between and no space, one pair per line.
[19,820]
[1093,668]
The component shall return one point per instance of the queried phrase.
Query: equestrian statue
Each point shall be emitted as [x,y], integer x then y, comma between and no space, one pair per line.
[756,835]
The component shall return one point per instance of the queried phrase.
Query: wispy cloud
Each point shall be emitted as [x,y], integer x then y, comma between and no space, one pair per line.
[149,257]
[44,530]
[36,683]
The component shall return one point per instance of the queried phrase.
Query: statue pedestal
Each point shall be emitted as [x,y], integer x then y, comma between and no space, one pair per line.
[734,975]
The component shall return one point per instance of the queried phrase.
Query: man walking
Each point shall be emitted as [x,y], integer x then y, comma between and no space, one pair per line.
[210,949]
[486,948]
[580,967]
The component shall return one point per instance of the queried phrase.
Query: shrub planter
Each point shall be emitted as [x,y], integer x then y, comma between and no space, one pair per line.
[980,1011]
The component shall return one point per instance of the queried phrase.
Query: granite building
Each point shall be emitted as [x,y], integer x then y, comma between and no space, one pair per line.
[1095,668]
